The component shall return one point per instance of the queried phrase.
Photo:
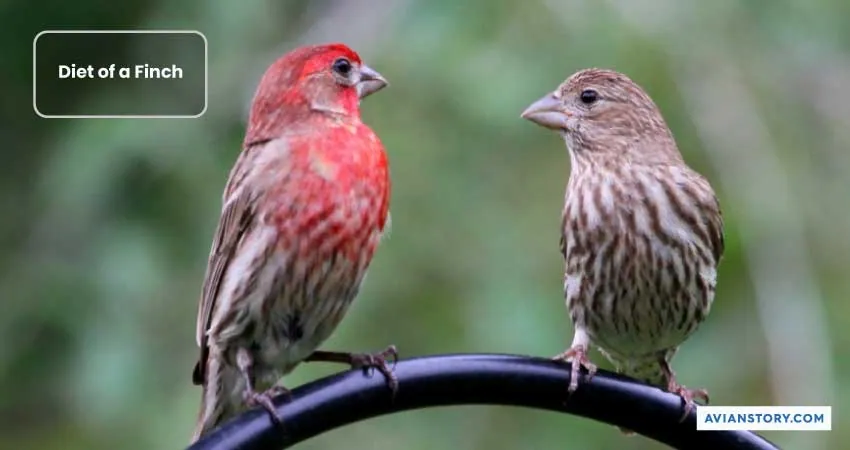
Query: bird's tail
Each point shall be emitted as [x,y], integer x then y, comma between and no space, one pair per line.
[219,399]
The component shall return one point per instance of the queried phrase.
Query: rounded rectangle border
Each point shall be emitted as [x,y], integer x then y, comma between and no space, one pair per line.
[764,418]
[127,116]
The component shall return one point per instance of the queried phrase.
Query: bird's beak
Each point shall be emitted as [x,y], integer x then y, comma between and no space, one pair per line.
[370,82]
[547,112]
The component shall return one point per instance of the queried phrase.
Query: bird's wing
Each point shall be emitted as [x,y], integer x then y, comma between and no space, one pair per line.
[710,211]
[236,217]
[715,226]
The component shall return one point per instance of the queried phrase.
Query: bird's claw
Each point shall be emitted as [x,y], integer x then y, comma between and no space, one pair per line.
[365,361]
[379,361]
[688,396]
[578,357]
[277,390]
[264,399]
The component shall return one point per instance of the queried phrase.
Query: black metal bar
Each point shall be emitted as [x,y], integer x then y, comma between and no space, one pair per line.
[482,379]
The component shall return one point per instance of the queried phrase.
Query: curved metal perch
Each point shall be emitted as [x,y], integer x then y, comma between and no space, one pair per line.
[481,379]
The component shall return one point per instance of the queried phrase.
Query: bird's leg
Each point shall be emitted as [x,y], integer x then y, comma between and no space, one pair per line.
[365,361]
[688,395]
[577,355]
[251,397]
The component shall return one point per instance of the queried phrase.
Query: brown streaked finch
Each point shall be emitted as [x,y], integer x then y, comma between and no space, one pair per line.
[642,233]
[303,211]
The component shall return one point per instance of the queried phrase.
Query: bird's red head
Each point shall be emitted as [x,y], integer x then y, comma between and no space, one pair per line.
[327,79]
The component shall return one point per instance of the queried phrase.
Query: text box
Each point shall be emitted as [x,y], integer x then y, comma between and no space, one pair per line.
[162,75]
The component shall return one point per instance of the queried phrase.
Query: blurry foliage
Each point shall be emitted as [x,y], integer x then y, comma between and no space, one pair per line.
[107,223]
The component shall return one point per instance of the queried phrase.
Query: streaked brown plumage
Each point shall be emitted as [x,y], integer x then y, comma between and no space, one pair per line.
[642,233]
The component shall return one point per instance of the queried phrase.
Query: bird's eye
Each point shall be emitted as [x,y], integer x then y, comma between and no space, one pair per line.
[342,66]
[589,96]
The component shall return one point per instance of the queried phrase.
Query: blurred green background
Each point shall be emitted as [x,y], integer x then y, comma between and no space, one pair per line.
[107,223]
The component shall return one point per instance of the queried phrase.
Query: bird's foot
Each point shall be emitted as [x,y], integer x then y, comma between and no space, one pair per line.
[264,399]
[577,355]
[252,398]
[688,396]
[277,389]
[383,361]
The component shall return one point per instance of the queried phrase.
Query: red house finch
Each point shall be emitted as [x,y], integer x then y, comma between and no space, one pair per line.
[642,233]
[304,209]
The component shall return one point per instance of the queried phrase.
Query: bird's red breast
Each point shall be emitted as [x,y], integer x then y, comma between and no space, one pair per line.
[339,191]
